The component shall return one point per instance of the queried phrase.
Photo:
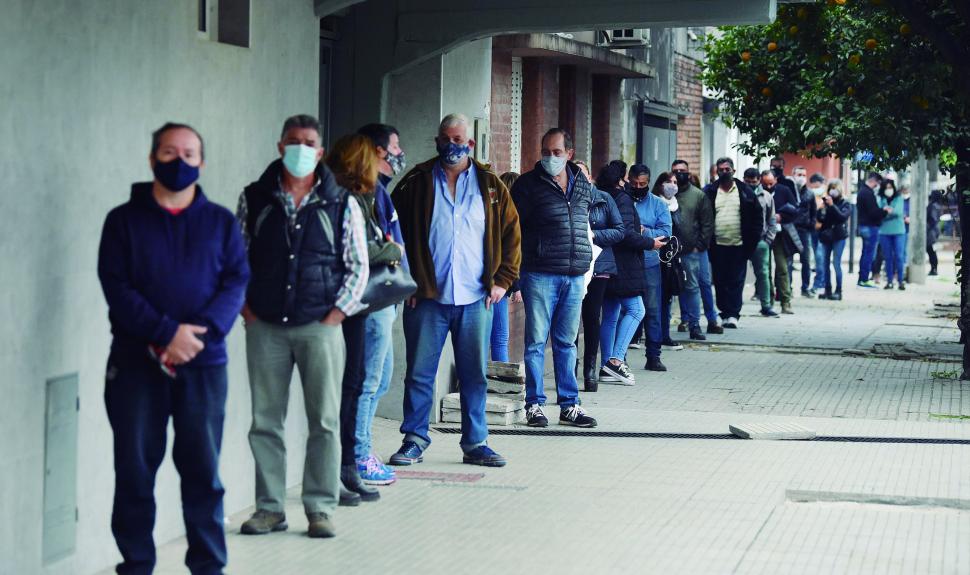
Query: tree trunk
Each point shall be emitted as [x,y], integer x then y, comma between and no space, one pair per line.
[962,192]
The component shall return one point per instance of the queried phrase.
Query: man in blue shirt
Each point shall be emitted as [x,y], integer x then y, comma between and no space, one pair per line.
[460,231]
[553,202]
[173,269]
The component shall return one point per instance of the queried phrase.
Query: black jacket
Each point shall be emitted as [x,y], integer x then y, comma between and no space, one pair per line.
[296,273]
[555,226]
[834,220]
[870,214]
[786,203]
[631,278]
[752,216]
[806,210]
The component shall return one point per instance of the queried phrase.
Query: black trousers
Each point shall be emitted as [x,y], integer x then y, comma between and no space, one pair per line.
[352,385]
[729,267]
[931,253]
[140,399]
[592,311]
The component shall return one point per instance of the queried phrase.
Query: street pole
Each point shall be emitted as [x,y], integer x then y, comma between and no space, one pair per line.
[919,195]
[854,224]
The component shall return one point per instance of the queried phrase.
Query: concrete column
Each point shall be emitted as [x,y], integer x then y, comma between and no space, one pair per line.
[919,190]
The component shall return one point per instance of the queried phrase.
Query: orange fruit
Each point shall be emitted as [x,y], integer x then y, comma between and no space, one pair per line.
[762,77]
[745,56]
[766,92]
[854,60]
[772,46]
[793,30]
[840,2]
[905,29]
[802,13]
[871,44]
[850,91]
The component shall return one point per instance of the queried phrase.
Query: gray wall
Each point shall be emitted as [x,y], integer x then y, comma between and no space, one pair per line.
[84,84]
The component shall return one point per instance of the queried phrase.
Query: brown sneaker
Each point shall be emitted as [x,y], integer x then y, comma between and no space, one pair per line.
[320,525]
[712,327]
[263,522]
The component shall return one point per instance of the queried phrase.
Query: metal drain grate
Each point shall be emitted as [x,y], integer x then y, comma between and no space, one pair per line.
[645,435]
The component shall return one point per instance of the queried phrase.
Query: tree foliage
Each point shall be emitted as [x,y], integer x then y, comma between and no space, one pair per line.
[845,76]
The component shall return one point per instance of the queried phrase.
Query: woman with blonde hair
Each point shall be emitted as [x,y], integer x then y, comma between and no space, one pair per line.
[834,217]
[354,162]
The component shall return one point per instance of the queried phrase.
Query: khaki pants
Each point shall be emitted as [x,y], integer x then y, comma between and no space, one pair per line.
[318,352]
[782,283]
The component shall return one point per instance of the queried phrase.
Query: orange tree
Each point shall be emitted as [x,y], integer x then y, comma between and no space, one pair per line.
[843,76]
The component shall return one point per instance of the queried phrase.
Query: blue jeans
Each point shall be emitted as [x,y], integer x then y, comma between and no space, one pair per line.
[653,306]
[832,256]
[820,270]
[378,369]
[553,304]
[140,400]
[617,329]
[809,239]
[697,268]
[425,328]
[500,331]
[870,238]
[894,251]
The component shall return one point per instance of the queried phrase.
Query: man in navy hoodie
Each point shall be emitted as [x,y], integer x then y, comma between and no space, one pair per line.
[173,269]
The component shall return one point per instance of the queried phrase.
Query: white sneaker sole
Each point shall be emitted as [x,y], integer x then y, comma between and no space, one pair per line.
[620,380]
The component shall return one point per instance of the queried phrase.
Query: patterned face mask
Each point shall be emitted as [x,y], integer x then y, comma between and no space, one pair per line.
[397,162]
[452,154]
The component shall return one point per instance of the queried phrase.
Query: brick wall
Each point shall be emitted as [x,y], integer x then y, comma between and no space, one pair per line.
[607,121]
[500,121]
[540,106]
[689,93]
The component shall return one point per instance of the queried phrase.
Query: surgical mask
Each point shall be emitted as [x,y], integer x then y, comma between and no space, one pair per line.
[670,190]
[800,181]
[890,192]
[725,177]
[175,174]
[553,165]
[835,194]
[299,160]
[818,191]
[683,178]
[396,162]
[452,154]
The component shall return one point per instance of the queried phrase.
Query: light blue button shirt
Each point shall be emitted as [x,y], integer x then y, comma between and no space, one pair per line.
[655,216]
[457,238]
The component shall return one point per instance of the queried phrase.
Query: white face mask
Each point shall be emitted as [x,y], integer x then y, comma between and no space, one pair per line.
[553,165]
[890,192]
[818,191]
[835,194]
[800,181]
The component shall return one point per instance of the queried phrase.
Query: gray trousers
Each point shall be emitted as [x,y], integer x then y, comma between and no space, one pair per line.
[318,352]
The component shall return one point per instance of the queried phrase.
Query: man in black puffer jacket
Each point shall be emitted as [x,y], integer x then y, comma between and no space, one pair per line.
[553,202]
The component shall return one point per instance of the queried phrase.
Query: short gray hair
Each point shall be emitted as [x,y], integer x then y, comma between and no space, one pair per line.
[300,121]
[452,120]
[724,160]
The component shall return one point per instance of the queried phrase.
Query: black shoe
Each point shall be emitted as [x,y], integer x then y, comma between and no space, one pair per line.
[807,293]
[889,285]
[589,368]
[695,334]
[902,286]
[348,498]
[837,296]
[484,456]
[350,477]
[590,385]
[673,345]
[825,295]
[713,328]
[534,417]
[769,312]
[682,328]
[933,272]
[575,415]
[654,364]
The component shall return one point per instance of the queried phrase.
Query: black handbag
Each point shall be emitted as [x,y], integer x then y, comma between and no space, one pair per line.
[674,278]
[388,284]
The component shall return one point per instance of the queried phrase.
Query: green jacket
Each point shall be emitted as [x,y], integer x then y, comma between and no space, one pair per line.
[414,201]
[696,230]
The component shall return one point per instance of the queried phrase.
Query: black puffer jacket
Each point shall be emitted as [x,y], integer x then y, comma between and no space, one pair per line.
[631,278]
[555,227]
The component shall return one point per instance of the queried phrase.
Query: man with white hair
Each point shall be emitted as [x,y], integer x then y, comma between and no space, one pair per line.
[461,233]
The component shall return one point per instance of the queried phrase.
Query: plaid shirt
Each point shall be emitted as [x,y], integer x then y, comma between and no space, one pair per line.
[354,237]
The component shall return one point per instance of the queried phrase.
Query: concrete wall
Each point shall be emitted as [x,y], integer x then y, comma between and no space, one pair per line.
[84,86]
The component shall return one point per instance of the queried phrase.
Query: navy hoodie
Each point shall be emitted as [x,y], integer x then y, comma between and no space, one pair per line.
[158,270]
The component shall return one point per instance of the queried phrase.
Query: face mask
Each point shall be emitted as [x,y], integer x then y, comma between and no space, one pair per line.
[906,196]
[637,193]
[725,177]
[175,175]
[670,190]
[818,191]
[683,178]
[553,165]
[890,192]
[769,189]
[835,194]
[299,160]
[800,181]
[452,154]
[396,162]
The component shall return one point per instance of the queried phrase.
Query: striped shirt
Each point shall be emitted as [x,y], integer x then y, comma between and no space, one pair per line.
[727,217]
[355,244]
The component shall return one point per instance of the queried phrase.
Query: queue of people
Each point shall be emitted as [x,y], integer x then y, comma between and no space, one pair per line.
[308,253]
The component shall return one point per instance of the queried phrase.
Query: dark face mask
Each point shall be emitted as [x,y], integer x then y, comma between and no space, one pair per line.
[683,178]
[175,175]
[725,177]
